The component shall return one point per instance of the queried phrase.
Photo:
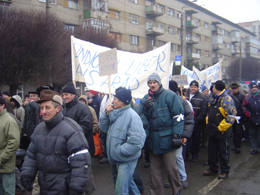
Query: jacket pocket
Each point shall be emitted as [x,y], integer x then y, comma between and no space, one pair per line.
[165,140]
[164,117]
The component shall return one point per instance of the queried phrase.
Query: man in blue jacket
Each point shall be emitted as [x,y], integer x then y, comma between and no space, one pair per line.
[165,113]
[125,139]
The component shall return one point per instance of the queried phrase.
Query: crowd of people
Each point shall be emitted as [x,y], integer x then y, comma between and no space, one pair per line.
[169,124]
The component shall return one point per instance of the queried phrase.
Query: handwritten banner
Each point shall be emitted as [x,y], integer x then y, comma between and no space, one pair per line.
[133,68]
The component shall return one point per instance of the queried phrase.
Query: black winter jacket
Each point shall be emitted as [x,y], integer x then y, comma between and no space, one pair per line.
[96,101]
[238,100]
[80,112]
[51,144]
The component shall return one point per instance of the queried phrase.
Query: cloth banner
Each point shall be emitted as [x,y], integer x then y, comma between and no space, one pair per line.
[133,68]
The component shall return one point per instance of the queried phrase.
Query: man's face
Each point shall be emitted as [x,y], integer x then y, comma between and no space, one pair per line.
[27,99]
[193,89]
[33,97]
[154,86]
[235,90]
[5,96]
[48,111]
[206,92]
[68,97]
[214,91]
[254,89]
[2,107]
[89,94]
[117,103]
[13,103]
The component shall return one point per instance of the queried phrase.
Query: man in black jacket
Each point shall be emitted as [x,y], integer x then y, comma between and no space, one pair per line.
[199,103]
[237,127]
[62,157]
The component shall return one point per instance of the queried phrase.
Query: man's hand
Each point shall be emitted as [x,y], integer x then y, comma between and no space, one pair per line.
[183,141]
[176,141]
[27,184]
[148,103]
[109,108]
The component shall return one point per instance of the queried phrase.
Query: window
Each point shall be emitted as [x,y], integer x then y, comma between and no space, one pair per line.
[4,6]
[179,31]
[134,40]
[161,8]
[198,51]
[178,14]
[206,39]
[198,37]
[161,43]
[149,42]
[113,14]
[228,33]
[206,25]
[223,32]
[242,39]
[179,48]
[73,4]
[161,26]
[170,12]
[172,47]
[228,45]
[197,22]
[115,36]
[50,1]
[171,29]
[206,54]
[133,19]
[133,1]
[224,57]
[69,28]
[224,44]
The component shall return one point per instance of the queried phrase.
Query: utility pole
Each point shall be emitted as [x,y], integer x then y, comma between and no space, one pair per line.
[240,62]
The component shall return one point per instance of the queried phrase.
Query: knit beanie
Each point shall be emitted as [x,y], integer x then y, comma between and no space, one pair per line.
[154,77]
[6,93]
[203,88]
[219,85]
[93,92]
[69,88]
[124,95]
[194,83]
[251,85]
[173,86]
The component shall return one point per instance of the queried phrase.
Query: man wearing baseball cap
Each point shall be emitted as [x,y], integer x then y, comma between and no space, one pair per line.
[62,158]
[125,139]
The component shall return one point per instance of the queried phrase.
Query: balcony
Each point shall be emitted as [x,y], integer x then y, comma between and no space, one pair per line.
[192,24]
[150,48]
[215,60]
[95,14]
[217,46]
[252,42]
[235,39]
[153,11]
[193,56]
[235,51]
[253,55]
[216,31]
[192,40]
[154,31]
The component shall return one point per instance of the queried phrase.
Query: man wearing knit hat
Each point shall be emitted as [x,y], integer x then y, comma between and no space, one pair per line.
[6,94]
[94,101]
[125,139]
[199,103]
[251,109]
[62,158]
[10,139]
[221,112]
[165,114]
[237,128]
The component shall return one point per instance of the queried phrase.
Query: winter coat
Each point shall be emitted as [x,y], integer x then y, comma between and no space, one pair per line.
[125,134]
[82,115]
[199,104]
[96,101]
[9,142]
[18,108]
[251,108]
[166,117]
[94,116]
[52,144]
[238,100]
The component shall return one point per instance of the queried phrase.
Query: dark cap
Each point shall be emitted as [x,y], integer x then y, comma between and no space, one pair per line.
[32,92]
[253,85]
[69,88]
[219,85]
[39,89]
[194,83]
[173,85]
[50,95]
[124,95]
[234,85]
[6,93]
[2,100]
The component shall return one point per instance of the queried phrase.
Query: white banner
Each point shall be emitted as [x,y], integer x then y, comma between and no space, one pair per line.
[133,68]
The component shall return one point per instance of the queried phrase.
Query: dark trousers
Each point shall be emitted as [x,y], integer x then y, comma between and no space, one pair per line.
[146,154]
[237,134]
[193,145]
[218,150]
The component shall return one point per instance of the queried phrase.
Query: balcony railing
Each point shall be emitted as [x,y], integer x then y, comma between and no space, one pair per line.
[215,60]
[192,40]
[95,14]
[235,39]
[217,46]
[193,56]
[253,41]
[192,24]
[154,30]
[153,10]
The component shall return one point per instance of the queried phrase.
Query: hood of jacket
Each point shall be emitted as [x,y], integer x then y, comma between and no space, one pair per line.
[18,99]
[85,98]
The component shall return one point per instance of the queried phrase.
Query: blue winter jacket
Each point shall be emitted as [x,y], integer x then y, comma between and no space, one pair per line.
[166,117]
[125,134]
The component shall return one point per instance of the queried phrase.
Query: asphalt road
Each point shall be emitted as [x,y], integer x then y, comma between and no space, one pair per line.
[243,179]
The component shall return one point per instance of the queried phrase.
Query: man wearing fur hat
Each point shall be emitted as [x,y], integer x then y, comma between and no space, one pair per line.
[251,109]
[237,128]
[62,158]
[125,139]
[165,114]
[199,103]
[9,143]
[221,112]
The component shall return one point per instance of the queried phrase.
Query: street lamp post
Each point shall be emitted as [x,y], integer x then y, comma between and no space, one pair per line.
[240,62]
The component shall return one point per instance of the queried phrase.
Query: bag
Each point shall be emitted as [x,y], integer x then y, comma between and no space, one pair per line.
[98,149]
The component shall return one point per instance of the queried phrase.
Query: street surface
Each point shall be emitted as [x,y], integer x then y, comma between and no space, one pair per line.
[243,179]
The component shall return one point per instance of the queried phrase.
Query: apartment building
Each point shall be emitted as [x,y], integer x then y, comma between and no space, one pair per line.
[142,25]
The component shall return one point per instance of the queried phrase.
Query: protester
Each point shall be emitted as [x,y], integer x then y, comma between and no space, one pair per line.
[10,138]
[26,100]
[221,112]
[62,158]
[95,100]
[164,112]
[251,109]
[18,109]
[6,94]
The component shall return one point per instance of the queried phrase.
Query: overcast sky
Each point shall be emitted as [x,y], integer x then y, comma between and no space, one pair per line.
[233,10]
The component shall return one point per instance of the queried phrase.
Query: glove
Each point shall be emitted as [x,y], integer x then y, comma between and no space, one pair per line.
[74,192]
[176,141]
[148,103]
[27,184]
